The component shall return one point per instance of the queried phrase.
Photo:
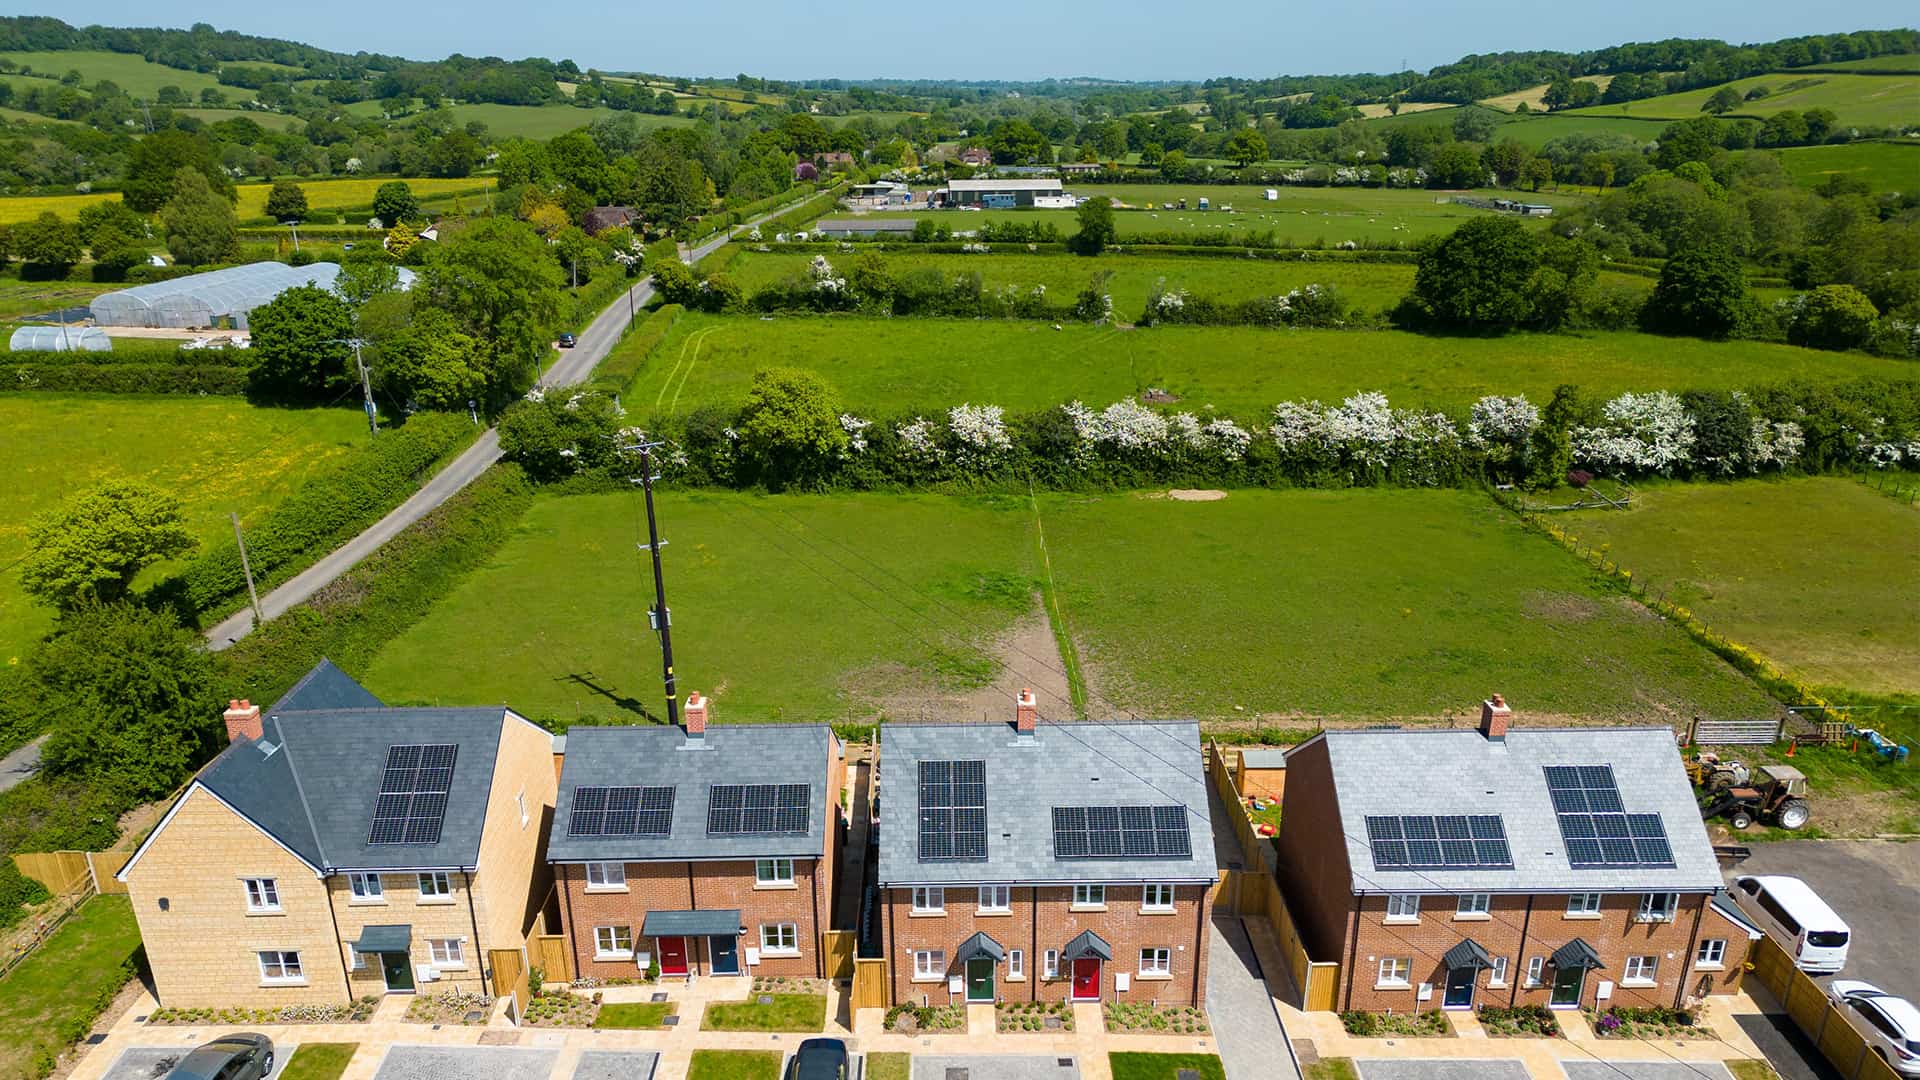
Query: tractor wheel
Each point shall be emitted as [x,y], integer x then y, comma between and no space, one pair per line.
[1720,781]
[1739,819]
[1793,813]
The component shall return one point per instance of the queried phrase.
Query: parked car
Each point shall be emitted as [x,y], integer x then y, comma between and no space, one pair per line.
[1890,1024]
[819,1059]
[567,341]
[1796,918]
[243,1055]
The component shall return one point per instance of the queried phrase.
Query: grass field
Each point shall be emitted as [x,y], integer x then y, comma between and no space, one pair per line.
[1357,604]
[215,454]
[252,203]
[1877,100]
[130,71]
[1534,97]
[888,365]
[19,298]
[58,985]
[1886,166]
[1821,574]
[547,121]
[1896,64]
[272,121]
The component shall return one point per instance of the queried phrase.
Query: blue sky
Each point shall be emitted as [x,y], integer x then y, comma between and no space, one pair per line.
[1124,39]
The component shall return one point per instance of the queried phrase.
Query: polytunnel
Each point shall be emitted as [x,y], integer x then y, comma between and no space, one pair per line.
[60,339]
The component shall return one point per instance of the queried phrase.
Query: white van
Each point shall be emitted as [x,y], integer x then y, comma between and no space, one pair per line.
[1797,920]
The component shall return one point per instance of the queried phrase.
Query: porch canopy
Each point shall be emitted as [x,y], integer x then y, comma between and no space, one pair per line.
[713,922]
[1467,954]
[1088,944]
[980,945]
[384,938]
[1576,954]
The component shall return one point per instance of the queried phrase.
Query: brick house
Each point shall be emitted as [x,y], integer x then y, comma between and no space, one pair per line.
[1505,866]
[710,851]
[1055,862]
[339,848]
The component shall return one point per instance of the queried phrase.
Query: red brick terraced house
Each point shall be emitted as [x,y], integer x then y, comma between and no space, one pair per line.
[1506,866]
[706,850]
[1044,862]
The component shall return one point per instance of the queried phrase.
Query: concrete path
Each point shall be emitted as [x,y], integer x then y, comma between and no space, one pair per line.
[1443,1069]
[994,1067]
[20,764]
[1253,1046]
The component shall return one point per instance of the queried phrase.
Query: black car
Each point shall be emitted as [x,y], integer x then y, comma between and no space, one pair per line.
[819,1059]
[566,341]
[241,1056]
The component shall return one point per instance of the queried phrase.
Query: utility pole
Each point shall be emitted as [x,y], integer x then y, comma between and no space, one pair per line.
[659,615]
[295,225]
[247,568]
[366,388]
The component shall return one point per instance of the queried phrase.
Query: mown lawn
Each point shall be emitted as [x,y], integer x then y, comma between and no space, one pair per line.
[634,1014]
[65,983]
[734,1065]
[319,1061]
[18,298]
[216,454]
[1137,1066]
[889,1066]
[889,366]
[788,1012]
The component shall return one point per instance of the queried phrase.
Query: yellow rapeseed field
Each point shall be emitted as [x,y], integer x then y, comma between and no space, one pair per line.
[321,195]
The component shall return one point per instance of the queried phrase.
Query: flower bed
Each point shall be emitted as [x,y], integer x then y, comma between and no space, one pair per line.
[1650,1022]
[908,1019]
[1018,1016]
[782,984]
[561,1008]
[1125,1016]
[453,1007]
[357,1013]
[1431,1024]
[1519,1022]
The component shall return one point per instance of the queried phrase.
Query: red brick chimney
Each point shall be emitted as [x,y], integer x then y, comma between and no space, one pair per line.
[695,715]
[1494,718]
[1026,712]
[243,720]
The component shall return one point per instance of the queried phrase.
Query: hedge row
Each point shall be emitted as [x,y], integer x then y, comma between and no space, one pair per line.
[1116,251]
[131,351]
[715,224]
[125,378]
[322,513]
[587,304]
[623,363]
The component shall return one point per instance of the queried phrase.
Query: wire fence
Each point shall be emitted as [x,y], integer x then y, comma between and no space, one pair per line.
[1893,486]
[23,942]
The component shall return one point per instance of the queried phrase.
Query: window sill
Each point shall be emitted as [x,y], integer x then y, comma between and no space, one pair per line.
[370,902]
[929,978]
[1709,967]
[592,890]
[1401,920]
[431,901]
[1157,911]
[1638,984]
[926,914]
[449,967]
[605,957]
[1087,907]
[788,953]
[1491,985]
[995,913]
[1582,916]
[283,982]
[1392,986]
[1153,976]
[265,913]
[1473,916]
[1015,978]
[774,886]
[1653,918]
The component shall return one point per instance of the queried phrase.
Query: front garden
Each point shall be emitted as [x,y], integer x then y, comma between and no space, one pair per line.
[908,1019]
[734,1065]
[1431,1024]
[1133,1066]
[1023,1016]
[1519,1022]
[452,1007]
[1648,1022]
[1147,1018]
[770,1009]
[242,1016]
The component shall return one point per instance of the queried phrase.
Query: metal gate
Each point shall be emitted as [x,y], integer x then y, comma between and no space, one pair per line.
[1736,732]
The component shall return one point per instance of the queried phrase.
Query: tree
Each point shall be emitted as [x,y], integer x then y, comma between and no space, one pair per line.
[432,363]
[1550,447]
[200,225]
[554,436]
[1473,124]
[1173,165]
[90,549]
[1702,291]
[154,167]
[1015,142]
[1697,139]
[1537,171]
[301,349]
[790,425]
[1458,165]
[47,245]
[287,201]
[393,202]
[1833,317]
[1724,100]
[501,285]
[1096,226]
[1478,277]
[454,154]
[1246,147]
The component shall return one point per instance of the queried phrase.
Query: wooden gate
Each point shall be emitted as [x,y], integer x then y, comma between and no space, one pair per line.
[836,953]
[550,954]
[509,976]
[871,987]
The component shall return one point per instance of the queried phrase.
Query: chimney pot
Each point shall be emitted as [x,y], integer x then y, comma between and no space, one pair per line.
[1026,712]
[1494,718]
[695,715]
[243,720]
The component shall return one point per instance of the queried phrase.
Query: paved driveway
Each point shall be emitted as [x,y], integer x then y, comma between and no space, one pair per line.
[1437,1069]
[463,1062]
[1645,1070]
[994,1067]
[145,1062]
[615,1065]
[1253,1046]
[1872,884]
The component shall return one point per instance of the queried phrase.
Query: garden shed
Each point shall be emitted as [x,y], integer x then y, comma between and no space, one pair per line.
[60,339]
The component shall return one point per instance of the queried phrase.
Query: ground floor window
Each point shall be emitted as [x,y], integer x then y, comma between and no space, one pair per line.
[281,966]
[612,942]
[1640,971]
[1536,967]
[1050,964]
[447,952]
[1157,960]
[929,963]
[1395,970]
[1712,953]
[780,938]
[1498,977]
[1016,964]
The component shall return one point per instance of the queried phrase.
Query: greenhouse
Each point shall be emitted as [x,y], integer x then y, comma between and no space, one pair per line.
[215,298]
[60,339]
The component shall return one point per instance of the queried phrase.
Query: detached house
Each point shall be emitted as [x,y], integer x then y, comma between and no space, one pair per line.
[339,847]
[1505,866]
[1055,862]
[707,851]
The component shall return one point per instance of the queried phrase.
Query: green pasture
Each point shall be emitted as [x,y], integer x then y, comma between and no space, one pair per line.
[216,454]
[18,298]
[272,121]
[1886,166]
[545,121]
[139,77]
[1901,62]
[1538,129]
[885,366]
[54,996]
[1821,574]
[1877,100]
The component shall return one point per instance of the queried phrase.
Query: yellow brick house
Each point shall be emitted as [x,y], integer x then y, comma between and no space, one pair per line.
[339,847]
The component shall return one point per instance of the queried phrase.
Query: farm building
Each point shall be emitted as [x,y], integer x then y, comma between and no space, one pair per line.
[841,228]
[60,339]
[880,195]
[996,194]
[976,157]
[217,297]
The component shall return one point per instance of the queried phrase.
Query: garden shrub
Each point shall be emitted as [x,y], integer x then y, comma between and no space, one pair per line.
[17,890]
[1360,1024]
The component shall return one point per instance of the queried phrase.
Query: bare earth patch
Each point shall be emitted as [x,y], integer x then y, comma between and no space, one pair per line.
[1024,656]
[1196,495]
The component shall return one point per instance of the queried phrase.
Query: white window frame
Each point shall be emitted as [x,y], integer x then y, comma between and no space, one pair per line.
[366,888]
[1089,896]
[1050,964]
[929,900]
[1394,972]
[772,873]
[1156,961]
[263,895]
[1016,964]
[286,962]
[929,965]
[436,887]
[1473,905]
[1536,970]
[1657,907]
[612,877]
[447,952]
[1641,971]
[606,943]
[1403,907]
[1583,905]
[1497,975]
[995,900]
[784,939]
[1158,898]
[1711,955]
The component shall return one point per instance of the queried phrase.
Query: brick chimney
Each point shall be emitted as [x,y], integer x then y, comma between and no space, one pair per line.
[1026,712]
[243,720]
[695,715]
[1494,718]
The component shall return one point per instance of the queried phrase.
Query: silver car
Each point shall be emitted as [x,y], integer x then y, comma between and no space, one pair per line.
[243,1055]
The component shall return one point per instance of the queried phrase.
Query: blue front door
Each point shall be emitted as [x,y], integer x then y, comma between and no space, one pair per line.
[726,954]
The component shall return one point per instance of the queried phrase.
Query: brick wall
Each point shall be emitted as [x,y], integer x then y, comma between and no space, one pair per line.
[1313,869]
[685,886]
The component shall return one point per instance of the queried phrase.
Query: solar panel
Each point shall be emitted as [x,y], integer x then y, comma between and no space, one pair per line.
[1595,825]
[412,804]
[1439,841]
[1111,832]
[953,810]
[755,809]
[621,811]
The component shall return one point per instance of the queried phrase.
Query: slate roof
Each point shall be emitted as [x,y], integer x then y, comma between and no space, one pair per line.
[326,687]
[665,757]
[1462,772]
[1063,764]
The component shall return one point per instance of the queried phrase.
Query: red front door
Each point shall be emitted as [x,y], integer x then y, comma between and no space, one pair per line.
[673,956]
[1086,980]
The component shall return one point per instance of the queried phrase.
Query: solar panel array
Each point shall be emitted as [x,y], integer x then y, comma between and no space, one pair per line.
[953,810]
[757,809]
[621,811]
[1595,825]
[413,794]
[1121,832]
[1439,842]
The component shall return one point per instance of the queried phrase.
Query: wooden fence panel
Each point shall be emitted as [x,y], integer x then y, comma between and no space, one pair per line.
[60,871]
[870,984]
[1841,1044]
[550,954]
[1872,1067]
[103,865]
[1806,1003]
[509,976]
[836,952]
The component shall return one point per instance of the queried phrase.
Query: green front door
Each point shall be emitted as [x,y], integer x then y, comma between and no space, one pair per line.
[980,979]
[398,968]
[1567,983]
